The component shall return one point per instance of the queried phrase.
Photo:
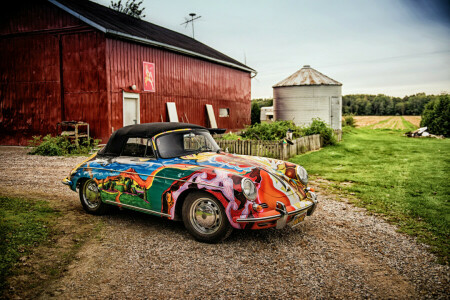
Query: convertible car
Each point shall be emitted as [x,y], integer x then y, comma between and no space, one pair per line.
[177,171]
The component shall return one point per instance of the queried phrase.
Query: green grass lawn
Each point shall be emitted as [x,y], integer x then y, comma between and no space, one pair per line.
[404,179]
[24,224]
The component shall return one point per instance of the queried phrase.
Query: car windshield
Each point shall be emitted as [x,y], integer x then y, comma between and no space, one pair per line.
[181,143]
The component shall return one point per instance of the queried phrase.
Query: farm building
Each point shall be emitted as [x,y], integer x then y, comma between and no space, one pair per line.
[308,94]
[64,60]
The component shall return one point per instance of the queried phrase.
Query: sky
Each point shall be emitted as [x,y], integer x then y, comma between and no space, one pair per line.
[392,47]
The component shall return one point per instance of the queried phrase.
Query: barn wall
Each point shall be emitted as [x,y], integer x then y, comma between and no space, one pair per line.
[84,77]
[30,89]
[36,16]
[189,82]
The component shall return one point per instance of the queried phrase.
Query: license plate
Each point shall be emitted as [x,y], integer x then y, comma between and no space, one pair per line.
[297,220]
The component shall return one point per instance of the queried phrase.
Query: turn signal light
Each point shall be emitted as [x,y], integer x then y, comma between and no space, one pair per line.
[257,207]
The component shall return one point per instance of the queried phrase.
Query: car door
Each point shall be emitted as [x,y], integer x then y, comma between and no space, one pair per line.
[132,177]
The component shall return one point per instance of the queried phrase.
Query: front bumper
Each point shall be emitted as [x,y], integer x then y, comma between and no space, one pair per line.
[66,181]
[282,215]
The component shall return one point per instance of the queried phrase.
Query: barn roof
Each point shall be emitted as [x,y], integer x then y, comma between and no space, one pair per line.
[307,76]
[121,25]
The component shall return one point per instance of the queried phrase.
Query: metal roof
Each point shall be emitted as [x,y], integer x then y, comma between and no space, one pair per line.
[114,23]
[307,76]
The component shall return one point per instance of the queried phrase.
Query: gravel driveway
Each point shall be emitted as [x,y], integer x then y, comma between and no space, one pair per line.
[339,252]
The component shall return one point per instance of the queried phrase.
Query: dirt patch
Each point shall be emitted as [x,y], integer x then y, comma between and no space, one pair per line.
[339,252]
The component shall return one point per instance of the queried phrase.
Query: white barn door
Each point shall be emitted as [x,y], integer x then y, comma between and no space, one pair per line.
[131,109]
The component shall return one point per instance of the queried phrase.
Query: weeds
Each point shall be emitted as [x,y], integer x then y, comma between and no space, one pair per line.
[60,146]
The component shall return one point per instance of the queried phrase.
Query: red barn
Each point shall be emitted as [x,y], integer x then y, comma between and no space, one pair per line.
[64,60]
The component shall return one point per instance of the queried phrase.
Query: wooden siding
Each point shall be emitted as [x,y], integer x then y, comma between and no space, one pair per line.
[29,88]
[84,76]
[189,82]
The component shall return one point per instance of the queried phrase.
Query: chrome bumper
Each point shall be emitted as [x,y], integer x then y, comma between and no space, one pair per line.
[66,181]
[283,215]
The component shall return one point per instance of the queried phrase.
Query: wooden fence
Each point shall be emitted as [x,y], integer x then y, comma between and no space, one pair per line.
[274,149]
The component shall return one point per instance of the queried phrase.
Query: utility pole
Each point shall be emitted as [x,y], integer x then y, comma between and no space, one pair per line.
[193,18]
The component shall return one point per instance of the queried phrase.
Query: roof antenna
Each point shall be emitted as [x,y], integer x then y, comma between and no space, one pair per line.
[191,21]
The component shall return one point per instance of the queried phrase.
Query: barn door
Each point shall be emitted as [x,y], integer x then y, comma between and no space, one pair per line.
[336,113]
[131,109]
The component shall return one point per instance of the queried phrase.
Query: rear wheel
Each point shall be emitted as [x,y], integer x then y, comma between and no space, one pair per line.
[90,198]
[204,217]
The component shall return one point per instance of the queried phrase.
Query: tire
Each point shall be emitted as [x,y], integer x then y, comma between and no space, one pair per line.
[204,217]
[90,198]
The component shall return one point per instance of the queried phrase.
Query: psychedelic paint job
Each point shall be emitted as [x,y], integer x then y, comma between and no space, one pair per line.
[156,185]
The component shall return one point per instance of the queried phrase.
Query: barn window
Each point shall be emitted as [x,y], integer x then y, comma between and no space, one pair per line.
[224,112]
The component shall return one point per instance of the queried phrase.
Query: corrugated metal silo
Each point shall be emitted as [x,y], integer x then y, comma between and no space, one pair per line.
[308,94]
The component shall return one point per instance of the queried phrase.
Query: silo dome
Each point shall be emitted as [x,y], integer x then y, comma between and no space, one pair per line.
[308,94]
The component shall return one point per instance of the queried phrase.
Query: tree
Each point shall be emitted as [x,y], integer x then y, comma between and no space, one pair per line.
[436,116]
[131,8]
[256,108]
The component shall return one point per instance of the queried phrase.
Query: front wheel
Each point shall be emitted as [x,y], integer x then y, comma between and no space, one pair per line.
[90,198]
[204,217]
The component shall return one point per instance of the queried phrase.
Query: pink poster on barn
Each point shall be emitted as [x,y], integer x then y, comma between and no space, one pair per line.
[149,77]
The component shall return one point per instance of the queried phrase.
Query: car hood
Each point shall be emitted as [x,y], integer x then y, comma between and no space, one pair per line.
[280,172]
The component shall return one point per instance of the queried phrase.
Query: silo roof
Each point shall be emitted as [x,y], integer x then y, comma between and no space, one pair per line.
[307,76]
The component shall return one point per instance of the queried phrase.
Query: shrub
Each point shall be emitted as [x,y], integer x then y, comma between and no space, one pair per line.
[277,131]
[436,116]
[320,127]
[271,131]
[58,146]
[349,121]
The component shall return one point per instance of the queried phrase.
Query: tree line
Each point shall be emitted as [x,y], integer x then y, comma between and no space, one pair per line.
[382,105]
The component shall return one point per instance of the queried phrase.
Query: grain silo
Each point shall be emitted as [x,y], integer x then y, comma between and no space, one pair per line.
[308,94]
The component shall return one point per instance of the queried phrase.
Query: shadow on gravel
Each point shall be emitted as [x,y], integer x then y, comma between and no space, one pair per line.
[140,221]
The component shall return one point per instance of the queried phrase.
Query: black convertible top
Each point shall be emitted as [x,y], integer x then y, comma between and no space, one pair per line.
[147,130]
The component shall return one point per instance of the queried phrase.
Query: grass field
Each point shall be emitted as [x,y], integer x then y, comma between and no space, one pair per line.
[24,224]
[404,179]
[388,122]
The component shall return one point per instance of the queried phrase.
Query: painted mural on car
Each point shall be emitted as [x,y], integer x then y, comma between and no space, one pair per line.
[210,190]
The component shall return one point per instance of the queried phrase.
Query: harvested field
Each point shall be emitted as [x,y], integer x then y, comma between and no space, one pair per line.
[363,121]
[415,120]
[388,122]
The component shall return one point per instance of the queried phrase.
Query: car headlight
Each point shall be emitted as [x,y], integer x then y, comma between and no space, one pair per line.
[249,189]
[302,175]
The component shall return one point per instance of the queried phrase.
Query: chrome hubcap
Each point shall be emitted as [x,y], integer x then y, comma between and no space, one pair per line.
[91,194]
[205,215]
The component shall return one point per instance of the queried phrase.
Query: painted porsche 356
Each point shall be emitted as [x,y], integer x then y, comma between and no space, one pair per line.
[177,171]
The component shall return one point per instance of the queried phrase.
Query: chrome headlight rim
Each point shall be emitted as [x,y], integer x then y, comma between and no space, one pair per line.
[249,189]
[302,175]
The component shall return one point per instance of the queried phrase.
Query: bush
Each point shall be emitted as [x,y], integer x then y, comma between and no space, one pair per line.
[271,131]
[436,116]
[349,121]
[58,146]
[277,131]
[320,127]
